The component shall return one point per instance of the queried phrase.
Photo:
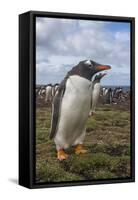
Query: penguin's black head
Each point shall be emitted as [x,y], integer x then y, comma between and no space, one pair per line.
[87,69]
[94,67]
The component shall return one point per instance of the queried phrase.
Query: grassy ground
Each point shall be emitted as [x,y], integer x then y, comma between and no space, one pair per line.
[107,142]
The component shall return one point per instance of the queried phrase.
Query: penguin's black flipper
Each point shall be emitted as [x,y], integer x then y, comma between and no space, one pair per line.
[56,105]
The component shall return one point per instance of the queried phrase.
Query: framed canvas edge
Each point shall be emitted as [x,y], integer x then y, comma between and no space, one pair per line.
[32,15]
[81,16]
[24,92]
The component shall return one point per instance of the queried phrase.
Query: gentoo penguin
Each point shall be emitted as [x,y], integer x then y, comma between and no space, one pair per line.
[103,91]
[71,106]
[120,91]
[54,89]
[56,86]
[108,96]
[43,91]
[49,92]
[95,92]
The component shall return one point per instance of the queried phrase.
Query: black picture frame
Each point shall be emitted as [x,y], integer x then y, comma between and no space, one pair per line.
[27,76]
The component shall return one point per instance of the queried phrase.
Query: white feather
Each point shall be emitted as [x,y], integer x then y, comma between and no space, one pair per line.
[88,62]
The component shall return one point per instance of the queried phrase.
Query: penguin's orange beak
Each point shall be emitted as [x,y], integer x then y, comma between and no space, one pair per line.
[103,67]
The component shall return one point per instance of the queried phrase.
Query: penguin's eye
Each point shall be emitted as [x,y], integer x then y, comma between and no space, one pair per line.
[90,65]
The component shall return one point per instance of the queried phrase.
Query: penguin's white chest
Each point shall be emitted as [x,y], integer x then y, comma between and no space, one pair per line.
[95,95]
[96,91]
[74,111]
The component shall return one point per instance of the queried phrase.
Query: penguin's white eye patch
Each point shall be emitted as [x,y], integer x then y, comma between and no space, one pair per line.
[88,62]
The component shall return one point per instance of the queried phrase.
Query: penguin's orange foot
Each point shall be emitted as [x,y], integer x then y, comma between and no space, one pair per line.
[79,149]
[61,155]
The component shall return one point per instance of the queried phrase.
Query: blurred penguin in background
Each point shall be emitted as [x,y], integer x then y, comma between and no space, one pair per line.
[108,97]
[96,86]
[48,93]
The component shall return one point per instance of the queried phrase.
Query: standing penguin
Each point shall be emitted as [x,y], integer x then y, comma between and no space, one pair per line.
[48,93]
[71,106]
[108,96]
[95,92]
[54,89]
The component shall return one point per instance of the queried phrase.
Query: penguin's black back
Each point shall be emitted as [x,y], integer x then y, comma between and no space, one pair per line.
[56,105]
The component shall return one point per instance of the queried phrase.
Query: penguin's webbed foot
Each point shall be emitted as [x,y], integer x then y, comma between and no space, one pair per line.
[61,155]
[79,149]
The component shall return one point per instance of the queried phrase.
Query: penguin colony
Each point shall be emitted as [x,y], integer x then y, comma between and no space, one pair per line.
[107,95]
[46,91]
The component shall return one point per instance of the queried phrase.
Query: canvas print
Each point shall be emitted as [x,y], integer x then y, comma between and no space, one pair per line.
[83,117]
